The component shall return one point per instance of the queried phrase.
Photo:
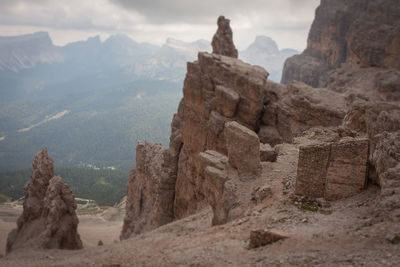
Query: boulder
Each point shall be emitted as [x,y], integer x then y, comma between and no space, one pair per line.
[259,238]
[222,42]
[243,149]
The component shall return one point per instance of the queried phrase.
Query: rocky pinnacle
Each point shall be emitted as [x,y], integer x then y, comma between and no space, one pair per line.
[222,42]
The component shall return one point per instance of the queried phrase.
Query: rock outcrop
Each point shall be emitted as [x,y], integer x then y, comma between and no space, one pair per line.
[357,35]
[230,120]
[222,42]
[147,195]
[48,219]
[227,109]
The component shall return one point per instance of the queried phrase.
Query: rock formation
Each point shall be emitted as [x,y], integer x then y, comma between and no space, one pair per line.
[351,41]
[222,42]
[149,199]
[48,219]
[231,120]
[226,106]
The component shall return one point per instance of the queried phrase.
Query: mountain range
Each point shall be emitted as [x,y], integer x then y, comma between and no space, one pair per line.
[90,101]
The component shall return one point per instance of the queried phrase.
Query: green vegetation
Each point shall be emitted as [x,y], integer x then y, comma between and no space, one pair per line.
[102,127]
[395,240]
[105,186]
[3,198]
[311,205]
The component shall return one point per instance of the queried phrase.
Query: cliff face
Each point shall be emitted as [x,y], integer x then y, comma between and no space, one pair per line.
[229,110]
[231,118]
[363,34]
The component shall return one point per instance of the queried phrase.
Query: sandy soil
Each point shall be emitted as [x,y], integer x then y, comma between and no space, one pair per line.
[340,233]
[92,228]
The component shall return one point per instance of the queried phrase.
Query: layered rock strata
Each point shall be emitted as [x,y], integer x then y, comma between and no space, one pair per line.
[48,219]
[149,197]
[353,47]
[233,112]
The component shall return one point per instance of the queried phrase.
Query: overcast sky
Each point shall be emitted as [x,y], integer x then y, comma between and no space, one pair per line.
[286,21]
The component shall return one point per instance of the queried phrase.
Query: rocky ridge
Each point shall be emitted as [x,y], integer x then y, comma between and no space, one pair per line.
[228,119]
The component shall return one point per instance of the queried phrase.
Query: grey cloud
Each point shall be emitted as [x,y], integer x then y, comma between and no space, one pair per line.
[205,11]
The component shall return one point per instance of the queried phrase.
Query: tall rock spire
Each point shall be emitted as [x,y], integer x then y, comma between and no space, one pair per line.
[222,42]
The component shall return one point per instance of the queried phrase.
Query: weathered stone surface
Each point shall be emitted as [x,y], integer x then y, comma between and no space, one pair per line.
[387,152]
[373,118]
[267,153]
[149,196]
[270,135]
[212,158]
[222,42]
[243,149]
[227,101]
[262,237]
[311,170]
[390,192]
[388,85]
[386,159]
[347,170]
[333,170]
[303,107]
[203,126]
[260,194]
[48,219]
[360,33]
[213,168]
[61,221]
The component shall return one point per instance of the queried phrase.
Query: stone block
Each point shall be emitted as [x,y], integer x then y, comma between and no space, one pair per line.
[243,149]
[227,101]
[347,169]
[311,170]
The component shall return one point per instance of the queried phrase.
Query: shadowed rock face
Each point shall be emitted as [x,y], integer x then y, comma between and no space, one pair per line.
[149,198]
[222,42]
[358,33]
[48,219]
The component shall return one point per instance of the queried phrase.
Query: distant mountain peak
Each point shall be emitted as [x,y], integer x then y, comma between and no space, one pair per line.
[26,51]
[265,43]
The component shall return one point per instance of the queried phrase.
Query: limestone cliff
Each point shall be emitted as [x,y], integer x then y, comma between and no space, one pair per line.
[351,41]
[229,111]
